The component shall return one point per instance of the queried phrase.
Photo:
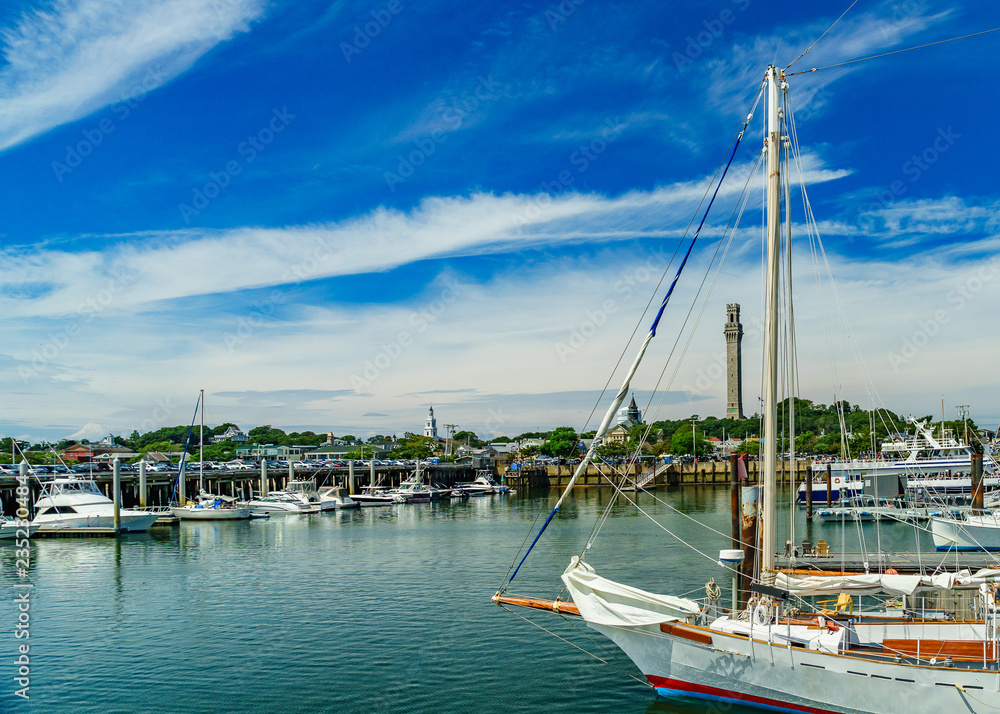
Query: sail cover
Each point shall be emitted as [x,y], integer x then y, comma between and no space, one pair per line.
[605,602]
[869,584]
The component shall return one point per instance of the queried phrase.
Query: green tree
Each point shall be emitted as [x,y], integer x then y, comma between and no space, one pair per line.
[528,452]
[469,438]
[562,442]
[681,442]
[613,449]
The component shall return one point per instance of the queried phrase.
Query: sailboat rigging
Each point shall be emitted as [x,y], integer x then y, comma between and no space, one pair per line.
[781,651]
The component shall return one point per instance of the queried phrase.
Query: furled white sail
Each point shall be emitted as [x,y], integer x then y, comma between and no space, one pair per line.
[605,602]
[868,584]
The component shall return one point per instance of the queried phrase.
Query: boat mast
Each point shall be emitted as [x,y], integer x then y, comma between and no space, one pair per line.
[771,325]
[201,444]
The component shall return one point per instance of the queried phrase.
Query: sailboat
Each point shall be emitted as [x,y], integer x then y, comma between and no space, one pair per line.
[780,652]
[208,507]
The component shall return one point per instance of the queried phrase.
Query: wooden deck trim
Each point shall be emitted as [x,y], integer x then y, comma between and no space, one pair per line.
[670,628]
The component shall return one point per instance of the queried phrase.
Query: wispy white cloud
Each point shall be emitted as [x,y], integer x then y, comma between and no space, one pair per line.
[77,56]
[164,266]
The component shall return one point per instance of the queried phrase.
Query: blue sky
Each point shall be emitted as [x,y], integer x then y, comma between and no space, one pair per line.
[330,215]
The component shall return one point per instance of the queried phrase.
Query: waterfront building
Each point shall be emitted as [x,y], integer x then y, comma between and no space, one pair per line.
[233,434]
[629,416]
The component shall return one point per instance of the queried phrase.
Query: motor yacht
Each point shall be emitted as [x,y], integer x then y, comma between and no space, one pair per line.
[69,502]
[334,497]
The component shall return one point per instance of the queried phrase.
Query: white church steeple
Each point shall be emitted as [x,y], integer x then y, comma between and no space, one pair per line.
[431,425]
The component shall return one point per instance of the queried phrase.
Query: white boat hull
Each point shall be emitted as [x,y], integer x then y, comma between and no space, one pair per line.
[195,513]
[736,670]
[977,533]
[9,530]
[131,521]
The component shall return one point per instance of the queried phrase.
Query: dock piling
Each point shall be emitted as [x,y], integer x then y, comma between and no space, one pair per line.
[117,466]
[143,490]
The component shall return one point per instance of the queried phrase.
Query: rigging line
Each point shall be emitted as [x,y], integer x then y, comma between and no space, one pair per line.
[821,36]
[736,138]
[652,333]
[894,52]
[180,467]
[741,204]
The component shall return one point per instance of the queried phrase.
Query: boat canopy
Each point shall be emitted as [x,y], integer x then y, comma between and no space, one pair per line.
[605,602]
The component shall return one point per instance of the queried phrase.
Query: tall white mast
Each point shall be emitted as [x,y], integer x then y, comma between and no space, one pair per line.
[771,325]
[201,444]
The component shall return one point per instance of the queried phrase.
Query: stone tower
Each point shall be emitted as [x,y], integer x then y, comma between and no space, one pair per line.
[431,425]
[734,362]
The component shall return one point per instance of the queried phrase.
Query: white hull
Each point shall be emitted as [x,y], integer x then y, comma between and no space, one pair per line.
[9,530]
[737,670]
[131,521]
[977,533]
[197,513]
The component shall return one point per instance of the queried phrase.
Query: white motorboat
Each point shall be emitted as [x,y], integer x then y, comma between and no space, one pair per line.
[278,502]
[71,503]
[377,496]
[305,489]
[13,528]
[484,485]
[966,534]
[336,497]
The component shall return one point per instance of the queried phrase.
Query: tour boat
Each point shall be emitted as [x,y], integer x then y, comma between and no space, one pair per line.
[782,651]
[72,503]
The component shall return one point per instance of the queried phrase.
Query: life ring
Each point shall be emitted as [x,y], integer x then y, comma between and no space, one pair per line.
[837,480]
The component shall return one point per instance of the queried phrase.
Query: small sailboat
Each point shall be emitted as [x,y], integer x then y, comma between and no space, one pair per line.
[208,507]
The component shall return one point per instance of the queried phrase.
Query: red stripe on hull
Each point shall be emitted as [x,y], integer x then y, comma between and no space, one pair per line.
[700,689]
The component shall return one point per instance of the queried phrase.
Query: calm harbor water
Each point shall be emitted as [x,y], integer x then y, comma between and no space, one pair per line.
[382,610]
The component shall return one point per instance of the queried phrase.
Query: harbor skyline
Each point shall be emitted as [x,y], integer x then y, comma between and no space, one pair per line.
[312,211]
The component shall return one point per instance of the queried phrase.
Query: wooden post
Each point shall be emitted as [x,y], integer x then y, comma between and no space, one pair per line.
[829,486]
[371,470]
[116,465]
[748,535]
[809,493]
[143,490]
[263,477]
[350,477]
[977,485]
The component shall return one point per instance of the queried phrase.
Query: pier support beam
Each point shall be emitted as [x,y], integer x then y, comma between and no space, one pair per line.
[263,477]
[291,470]
[117,467]
[829,485]
[371,470]
[143,488]
[350,478]
[182,484]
